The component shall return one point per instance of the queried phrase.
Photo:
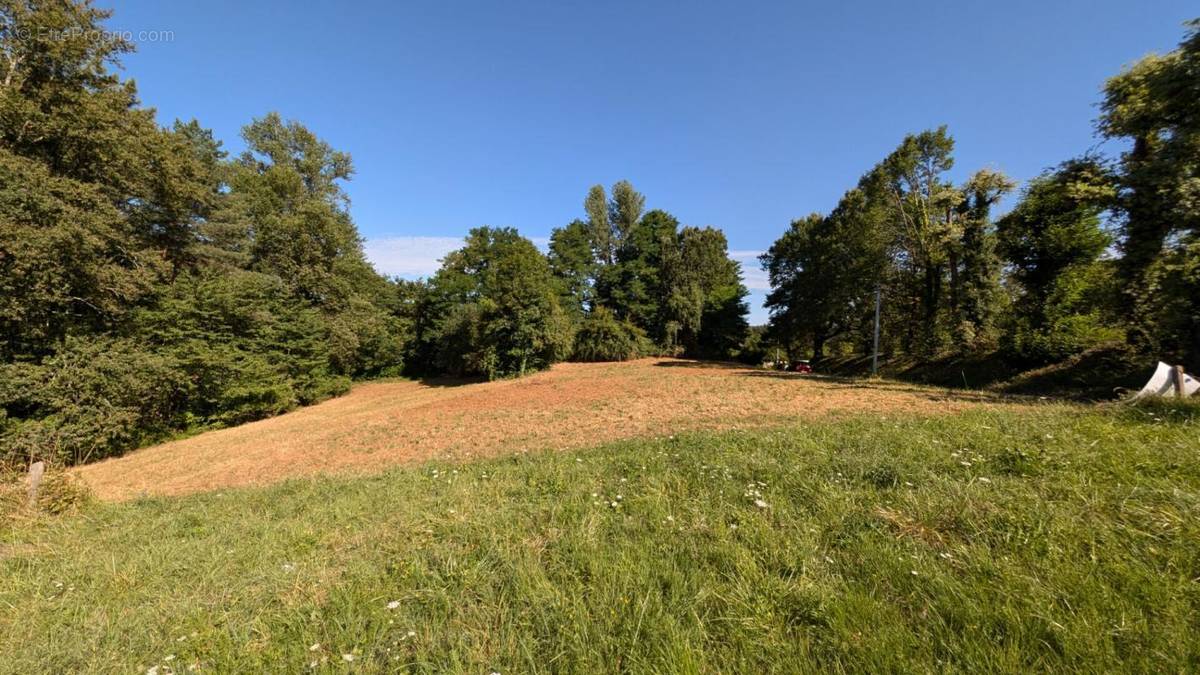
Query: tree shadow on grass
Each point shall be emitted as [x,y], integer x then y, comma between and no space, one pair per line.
[931,392]
[443,381]
[701,365]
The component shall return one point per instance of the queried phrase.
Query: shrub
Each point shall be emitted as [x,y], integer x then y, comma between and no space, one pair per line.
[366,340]
[59,492]
[94,398]
[601,337]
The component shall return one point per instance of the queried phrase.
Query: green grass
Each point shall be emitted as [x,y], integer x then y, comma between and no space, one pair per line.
[1065,538]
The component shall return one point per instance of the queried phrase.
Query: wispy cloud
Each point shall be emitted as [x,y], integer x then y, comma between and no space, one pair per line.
[409,257]
[752,273]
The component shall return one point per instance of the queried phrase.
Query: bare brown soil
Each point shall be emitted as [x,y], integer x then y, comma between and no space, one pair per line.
[381,424]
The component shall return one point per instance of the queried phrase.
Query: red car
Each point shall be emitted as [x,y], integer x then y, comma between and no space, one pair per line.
[800,367]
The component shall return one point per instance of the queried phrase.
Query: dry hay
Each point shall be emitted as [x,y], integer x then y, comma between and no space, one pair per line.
[381,424]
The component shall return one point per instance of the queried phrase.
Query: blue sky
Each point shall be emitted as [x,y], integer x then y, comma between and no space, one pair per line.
[738,115]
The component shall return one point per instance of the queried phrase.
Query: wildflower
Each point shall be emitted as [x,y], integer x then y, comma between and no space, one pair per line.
[169,657]
[985,480]
[913,572]
[152,670]
[315,646]
[393,604]
[348,658]
[760,503]
[411,633]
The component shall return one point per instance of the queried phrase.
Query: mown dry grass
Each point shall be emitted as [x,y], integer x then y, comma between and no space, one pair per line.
[574,405]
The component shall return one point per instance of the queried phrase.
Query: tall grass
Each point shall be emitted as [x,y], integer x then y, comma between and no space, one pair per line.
[996,540]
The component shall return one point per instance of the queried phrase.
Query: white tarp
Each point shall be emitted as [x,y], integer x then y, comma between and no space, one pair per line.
[1162,383]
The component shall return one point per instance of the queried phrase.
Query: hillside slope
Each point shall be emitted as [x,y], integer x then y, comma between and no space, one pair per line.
[1050,538]
[385,423]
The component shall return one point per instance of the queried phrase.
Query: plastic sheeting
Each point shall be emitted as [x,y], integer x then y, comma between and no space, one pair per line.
[1162,383]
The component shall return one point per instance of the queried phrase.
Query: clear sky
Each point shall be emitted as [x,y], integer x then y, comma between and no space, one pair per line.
[741,115]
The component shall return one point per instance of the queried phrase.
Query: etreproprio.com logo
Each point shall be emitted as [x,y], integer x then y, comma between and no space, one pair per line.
[48,34]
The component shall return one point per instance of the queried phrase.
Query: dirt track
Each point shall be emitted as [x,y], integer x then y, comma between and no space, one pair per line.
[385,423]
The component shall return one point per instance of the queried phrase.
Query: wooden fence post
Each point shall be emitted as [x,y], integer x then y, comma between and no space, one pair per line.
[1177,379]
[35,481]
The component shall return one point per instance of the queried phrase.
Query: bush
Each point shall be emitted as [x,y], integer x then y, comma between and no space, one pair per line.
[249,349]
[601,337]
[59,492]
[366,340]
[93,399]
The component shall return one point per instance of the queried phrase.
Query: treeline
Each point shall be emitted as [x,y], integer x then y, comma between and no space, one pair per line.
[618,285]
[150,283]
[1097,251]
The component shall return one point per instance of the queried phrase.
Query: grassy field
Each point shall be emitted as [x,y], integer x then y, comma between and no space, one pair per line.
[1050,537]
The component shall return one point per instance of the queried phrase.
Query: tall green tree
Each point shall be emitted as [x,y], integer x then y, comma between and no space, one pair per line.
[1052,241]
[824,272]
[705,300]
[573,262]
[632,287]
[923,208]
[975,270]
[496,308]
[1152,105]
[98,202]
[604,241]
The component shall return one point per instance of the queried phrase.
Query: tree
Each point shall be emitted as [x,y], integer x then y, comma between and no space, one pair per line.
[1152,105]
[976,274]
[149,284]
[286,187]
[625,211]
[574,264]
[923,205]
[98,201]
[1052,241]
[496,307]
[604,245]
[703,284]
[633,286]
[601,337]
[824,272]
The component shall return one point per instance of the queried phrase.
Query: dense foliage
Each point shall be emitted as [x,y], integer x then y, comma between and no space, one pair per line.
[1096,251]
[150,284]
[675,285]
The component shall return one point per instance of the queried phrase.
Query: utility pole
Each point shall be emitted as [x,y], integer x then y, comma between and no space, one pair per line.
[875,353]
